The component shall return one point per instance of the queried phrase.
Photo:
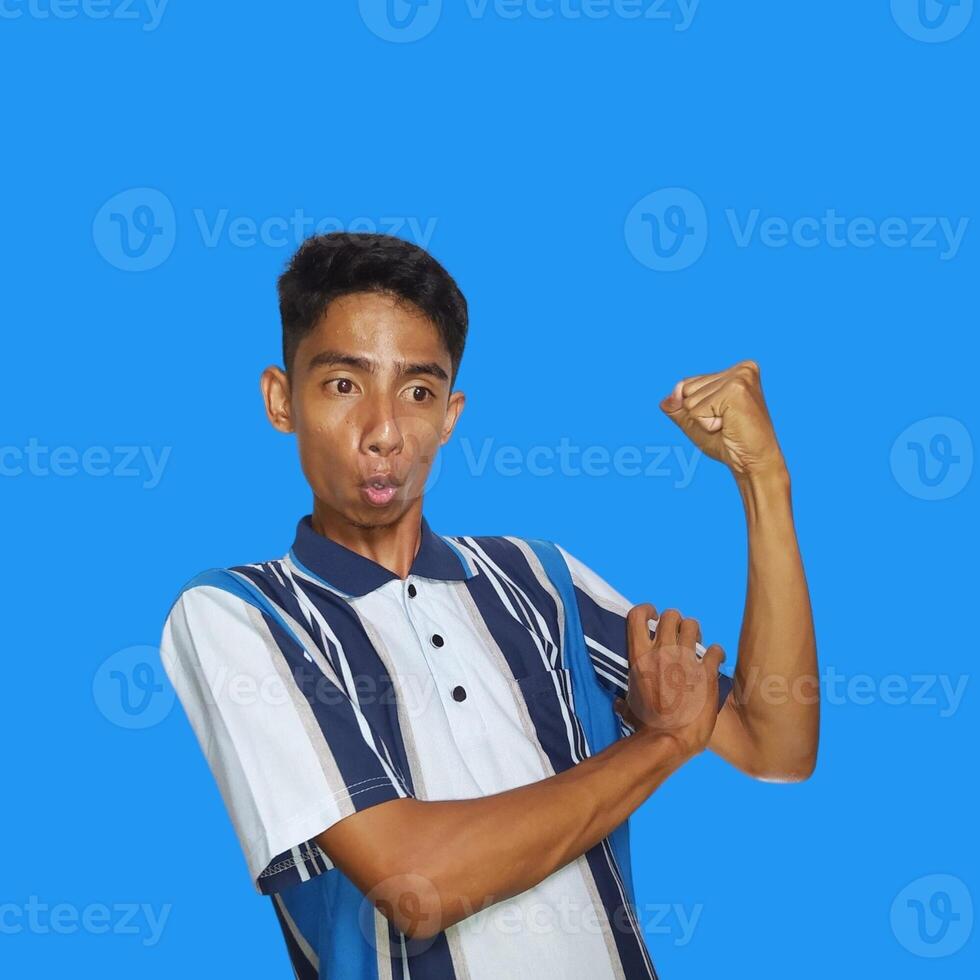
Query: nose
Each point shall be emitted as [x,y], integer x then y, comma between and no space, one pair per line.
[381,433]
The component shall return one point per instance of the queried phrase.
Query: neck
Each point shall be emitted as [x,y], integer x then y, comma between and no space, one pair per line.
[392,544]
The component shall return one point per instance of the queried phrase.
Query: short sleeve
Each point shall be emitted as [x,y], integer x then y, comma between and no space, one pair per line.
[603,610]
[290,751]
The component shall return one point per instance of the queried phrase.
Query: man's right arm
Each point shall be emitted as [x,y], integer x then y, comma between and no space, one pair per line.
[429,864]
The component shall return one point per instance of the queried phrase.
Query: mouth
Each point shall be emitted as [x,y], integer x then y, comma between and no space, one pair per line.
[379,490]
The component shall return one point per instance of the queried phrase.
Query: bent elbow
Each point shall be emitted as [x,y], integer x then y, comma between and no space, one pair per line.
[784,771]
[411,902]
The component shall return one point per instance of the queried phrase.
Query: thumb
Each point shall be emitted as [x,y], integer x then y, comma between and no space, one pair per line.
[625,713]
[674,402]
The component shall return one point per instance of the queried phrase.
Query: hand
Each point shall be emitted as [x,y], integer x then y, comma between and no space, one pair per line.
[671,690]
[725,415]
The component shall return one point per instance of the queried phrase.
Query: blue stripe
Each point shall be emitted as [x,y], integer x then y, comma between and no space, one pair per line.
[593,702]
[221,578]
[467,566]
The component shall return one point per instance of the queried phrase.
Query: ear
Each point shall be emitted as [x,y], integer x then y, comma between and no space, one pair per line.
[275,388]
[454,408]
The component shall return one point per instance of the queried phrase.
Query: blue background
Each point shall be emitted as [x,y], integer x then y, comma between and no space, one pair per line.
[528,141]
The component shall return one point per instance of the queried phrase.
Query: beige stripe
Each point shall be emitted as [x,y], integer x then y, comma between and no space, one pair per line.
[482,630]
[404,723]
[299,938]
[328,765]
[382,945]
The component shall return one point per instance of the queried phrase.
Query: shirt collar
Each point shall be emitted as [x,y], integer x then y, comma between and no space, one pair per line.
[352,574]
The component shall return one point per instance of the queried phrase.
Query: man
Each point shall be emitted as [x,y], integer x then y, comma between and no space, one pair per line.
[399,723]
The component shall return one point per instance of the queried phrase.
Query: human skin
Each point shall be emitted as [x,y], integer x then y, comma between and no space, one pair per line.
[381,404]
[769,724]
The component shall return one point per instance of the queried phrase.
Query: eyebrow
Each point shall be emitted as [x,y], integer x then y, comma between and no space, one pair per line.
[330,358]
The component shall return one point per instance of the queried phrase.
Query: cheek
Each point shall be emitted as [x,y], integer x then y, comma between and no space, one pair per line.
[421,433]
[323,419]
[326,436]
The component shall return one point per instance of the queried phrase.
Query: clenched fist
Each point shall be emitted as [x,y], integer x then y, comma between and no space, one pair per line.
[725,415]
[671,689]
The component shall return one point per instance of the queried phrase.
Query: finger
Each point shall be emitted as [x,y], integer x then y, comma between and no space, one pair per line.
[707,408]
[697,398]
[688,633]
[693,385]
[637,630]
[667,627]
[714,656]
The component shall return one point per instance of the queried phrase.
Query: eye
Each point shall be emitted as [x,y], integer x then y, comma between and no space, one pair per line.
[420,393]
[344,385]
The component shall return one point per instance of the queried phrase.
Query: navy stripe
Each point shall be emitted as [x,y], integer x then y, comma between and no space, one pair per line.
[526,620]
[303,968]
[630,944]
[335,714]
[374,688]
[609,629]
[283,597]
[429,959]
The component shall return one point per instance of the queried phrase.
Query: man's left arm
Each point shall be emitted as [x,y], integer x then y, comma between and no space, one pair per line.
[769,725]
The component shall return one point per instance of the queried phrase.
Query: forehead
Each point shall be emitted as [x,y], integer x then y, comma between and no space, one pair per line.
[376,325]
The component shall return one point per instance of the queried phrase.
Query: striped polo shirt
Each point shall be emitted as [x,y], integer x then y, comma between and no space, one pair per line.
[320,683]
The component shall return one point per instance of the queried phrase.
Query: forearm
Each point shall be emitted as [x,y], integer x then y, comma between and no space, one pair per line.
[475,852]
[776,687]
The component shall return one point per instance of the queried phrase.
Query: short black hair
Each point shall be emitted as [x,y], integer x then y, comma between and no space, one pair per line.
[326,267]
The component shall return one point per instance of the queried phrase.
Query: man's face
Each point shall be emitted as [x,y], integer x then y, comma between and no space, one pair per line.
[370,404]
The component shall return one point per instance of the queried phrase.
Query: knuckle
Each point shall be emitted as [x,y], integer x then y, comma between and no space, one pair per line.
[640,610]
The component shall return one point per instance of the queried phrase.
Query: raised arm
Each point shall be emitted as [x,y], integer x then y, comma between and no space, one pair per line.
[769,725]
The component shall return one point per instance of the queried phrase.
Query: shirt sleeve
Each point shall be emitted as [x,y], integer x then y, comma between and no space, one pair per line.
[289,749]
[603,610]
